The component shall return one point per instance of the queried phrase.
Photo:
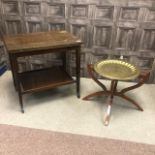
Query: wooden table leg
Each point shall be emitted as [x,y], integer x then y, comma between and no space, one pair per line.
[64,59]
[131,101]
[142,79]
[17,81]
[21,102]
[78,71]
[99,93]
[13,71]
[112,90]
[91,72]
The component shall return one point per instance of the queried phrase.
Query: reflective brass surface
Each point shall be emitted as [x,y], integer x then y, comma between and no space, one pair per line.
[116,69]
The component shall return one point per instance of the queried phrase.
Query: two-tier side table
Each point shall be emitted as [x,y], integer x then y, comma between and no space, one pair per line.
[37,43]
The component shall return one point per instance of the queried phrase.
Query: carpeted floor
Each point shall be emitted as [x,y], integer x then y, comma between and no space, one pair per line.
[26,141]
[60,110]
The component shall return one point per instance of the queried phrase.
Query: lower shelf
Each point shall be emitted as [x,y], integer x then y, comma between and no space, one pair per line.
[44,79]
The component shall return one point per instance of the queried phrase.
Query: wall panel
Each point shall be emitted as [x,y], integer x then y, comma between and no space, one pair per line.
[108,29]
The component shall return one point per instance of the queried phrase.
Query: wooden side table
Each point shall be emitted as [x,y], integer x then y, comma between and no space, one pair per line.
[116,70]
[42,43]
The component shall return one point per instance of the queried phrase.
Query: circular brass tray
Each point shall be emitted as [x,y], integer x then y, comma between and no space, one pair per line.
[116,69]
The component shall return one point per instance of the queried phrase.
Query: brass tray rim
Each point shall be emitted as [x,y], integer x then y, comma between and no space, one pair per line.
[132,77]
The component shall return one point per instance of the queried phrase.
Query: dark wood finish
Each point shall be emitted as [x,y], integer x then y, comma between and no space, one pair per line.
[78,72]
[34,81]
[113,90]
[40,43]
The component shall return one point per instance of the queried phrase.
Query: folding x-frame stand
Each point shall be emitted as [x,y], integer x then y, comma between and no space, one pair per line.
[113,91]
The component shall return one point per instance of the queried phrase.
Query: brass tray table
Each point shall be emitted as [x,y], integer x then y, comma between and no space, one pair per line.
[116,70]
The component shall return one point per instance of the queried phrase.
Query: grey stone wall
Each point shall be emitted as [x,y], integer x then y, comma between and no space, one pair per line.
[108,28]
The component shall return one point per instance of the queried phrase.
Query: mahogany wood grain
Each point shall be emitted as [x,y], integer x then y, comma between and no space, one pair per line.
[33,81]
[21,45]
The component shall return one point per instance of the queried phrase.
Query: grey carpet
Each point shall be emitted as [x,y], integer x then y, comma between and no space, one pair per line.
[60,110]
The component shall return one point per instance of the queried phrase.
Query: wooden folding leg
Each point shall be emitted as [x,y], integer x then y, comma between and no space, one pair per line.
[99,93]
[131,101]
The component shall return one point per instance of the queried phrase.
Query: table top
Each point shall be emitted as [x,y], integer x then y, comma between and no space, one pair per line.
[40,41]
[116,69]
